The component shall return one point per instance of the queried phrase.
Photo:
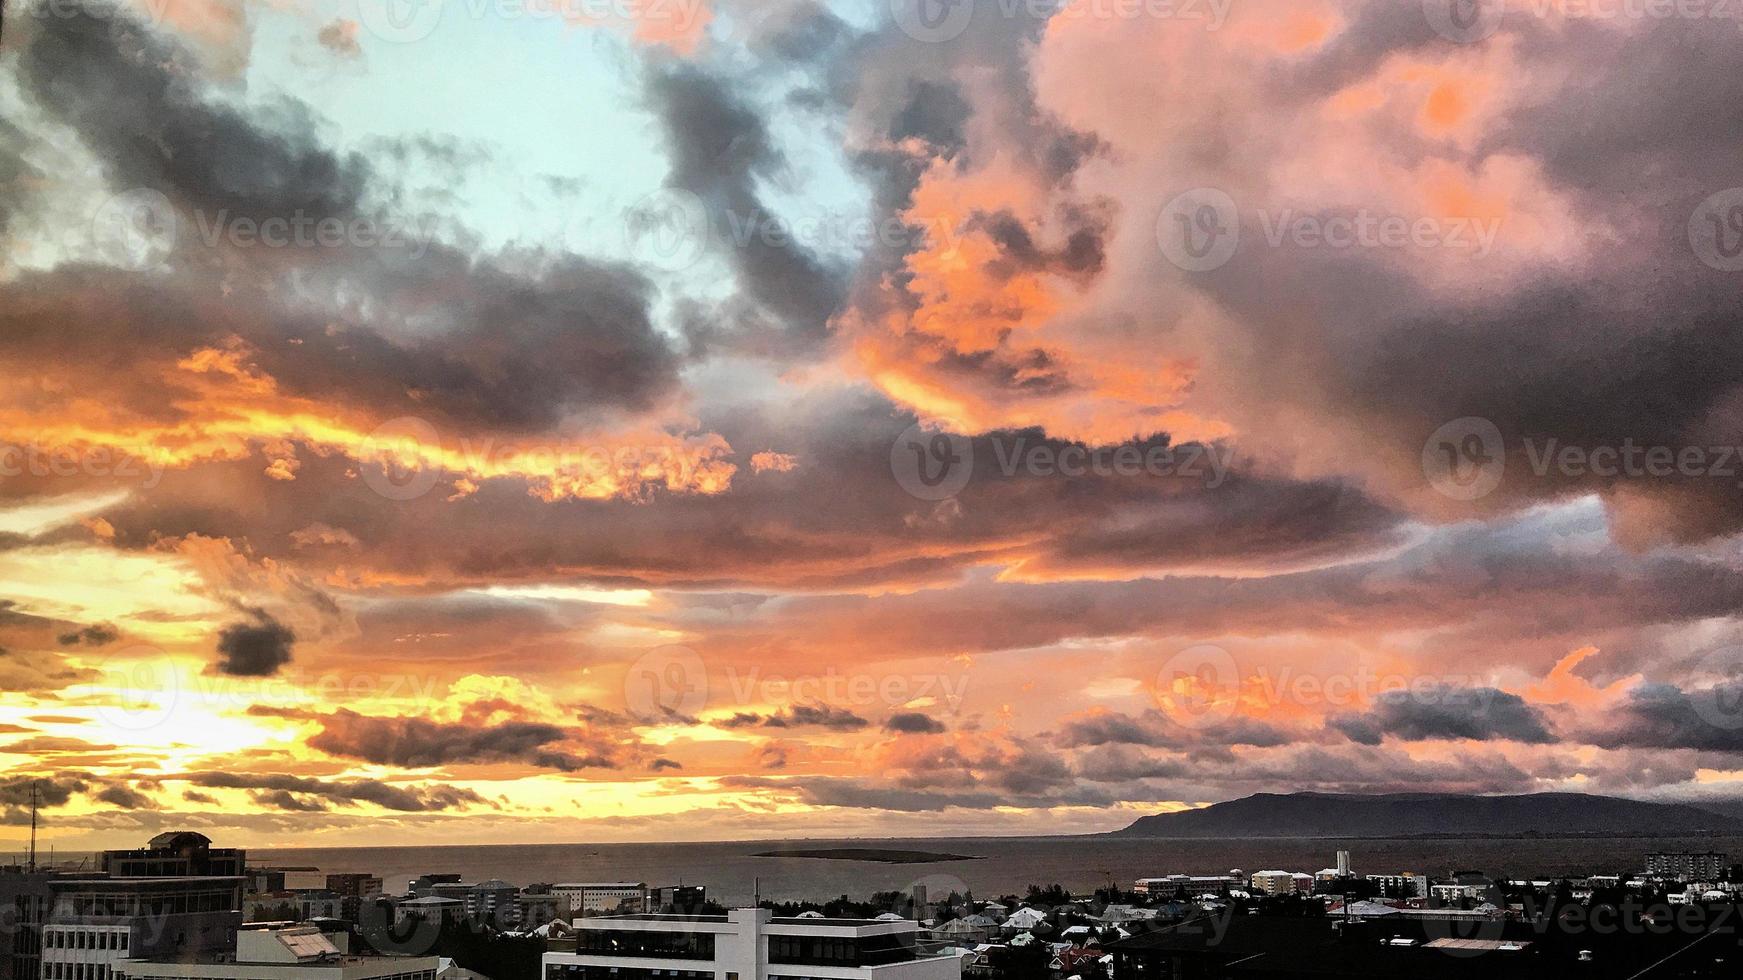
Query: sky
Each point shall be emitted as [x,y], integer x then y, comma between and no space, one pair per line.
[621,420]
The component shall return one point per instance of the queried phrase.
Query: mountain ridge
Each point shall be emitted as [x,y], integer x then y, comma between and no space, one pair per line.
[1432,814]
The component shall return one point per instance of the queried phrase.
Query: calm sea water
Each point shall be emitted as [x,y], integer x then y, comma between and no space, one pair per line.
[1007,864]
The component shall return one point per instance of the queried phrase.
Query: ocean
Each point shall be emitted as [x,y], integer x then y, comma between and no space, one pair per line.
[1005,865]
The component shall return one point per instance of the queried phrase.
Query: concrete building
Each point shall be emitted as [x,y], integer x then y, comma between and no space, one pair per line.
[1273,882]
[493,901]
[535,906]
[746,944]
[175,854]
[353,890]
[601,898]
[691,898]
[1687,865]
[1405,885]
[297,953]
[319,904]
[96,922]
[1343,864]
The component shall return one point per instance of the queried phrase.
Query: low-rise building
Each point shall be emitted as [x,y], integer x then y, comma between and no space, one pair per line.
[746,944]
[601,897]
[431,908]
[296,953]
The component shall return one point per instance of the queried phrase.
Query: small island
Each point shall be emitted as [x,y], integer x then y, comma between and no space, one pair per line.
[880,855]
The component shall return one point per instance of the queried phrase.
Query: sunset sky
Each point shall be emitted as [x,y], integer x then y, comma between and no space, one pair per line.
[563,420]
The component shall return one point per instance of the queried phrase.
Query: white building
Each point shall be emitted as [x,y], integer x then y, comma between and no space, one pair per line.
[296,953]
[1687,865]
[94,923]
[1185,886]
[601,897]
[747,944]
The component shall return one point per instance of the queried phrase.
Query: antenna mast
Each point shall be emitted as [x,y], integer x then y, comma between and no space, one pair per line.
[33,793]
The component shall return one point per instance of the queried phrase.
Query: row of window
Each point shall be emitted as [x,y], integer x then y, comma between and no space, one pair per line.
[75,971]
[587,971]
[113,904]
[636,942]
[83,939]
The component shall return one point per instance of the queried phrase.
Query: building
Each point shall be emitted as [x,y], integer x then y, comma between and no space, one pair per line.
[601,898]
[535,906]
[175,854]
[1686,865]
[319,904]
[25,903]
[1273,882]
[297,953]
[1185,886]
[1405,885]
[747,944]
[493,901]
[353,888]
[691,898]
[96,922]
[426,884]
[1343,864]
[430,907]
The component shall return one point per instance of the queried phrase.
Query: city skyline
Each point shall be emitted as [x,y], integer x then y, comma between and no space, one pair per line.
[475,422]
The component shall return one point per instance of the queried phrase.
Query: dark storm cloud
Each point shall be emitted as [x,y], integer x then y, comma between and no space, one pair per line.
[124,797]
[256,648]
[799,716]
[134,98]
[418,743]
[389,796]
[98,635]
[1152,728]
[720,148]
[289,802]
[16,174]
[1665,716]
[913,723]
[1440,712]
[511,343]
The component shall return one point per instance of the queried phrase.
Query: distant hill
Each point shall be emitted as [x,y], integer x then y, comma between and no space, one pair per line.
[1432,814]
